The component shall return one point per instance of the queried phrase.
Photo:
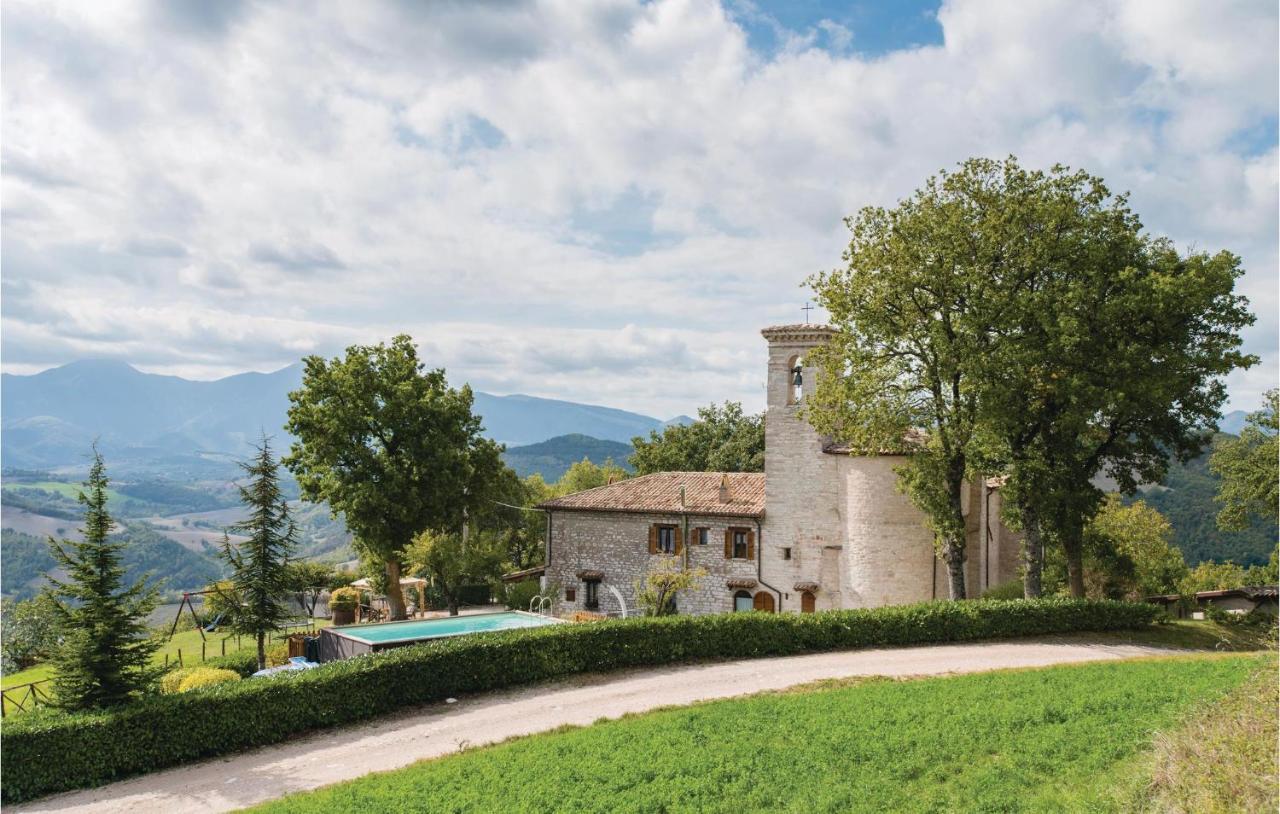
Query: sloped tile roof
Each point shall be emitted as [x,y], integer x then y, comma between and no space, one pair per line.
[660,493]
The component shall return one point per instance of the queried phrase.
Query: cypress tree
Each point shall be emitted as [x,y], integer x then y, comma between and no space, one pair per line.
[260,575]
[104,657]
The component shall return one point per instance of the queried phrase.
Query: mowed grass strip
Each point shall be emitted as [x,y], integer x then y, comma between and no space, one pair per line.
[1057,739]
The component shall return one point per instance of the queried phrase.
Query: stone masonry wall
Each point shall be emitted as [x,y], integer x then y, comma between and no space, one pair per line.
[889,548]
[617,543]
[802,509]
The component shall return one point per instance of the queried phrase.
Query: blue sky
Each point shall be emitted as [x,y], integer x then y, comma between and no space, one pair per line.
[597,200]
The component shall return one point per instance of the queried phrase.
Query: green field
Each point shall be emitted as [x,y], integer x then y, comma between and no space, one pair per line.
[65,488]
[1060,739]
[187,642]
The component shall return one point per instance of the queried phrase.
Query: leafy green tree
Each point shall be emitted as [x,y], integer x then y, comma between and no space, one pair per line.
[526,533]
[1113,365]
[453,560]
[1026,325]
[1215,576]
[307,580]
[392,447]
[723,439]
[28,632]
[259,565]
[104,658]
[1128,552]
[916,310]
[658,592]
[1247,465]
[587,475]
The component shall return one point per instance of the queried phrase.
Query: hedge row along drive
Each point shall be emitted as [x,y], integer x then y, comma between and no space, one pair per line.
[47,751]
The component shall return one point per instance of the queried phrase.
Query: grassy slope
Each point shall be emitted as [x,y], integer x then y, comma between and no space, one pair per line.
[1058,739]
[188,641]
[1223,759]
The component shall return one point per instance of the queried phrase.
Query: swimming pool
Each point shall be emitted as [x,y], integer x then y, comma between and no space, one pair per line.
[353,640]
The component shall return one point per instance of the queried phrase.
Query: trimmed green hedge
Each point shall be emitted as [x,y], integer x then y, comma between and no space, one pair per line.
[47,751]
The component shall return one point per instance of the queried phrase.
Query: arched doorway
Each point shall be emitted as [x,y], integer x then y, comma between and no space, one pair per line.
[808,603]
[742,601]
[763,601]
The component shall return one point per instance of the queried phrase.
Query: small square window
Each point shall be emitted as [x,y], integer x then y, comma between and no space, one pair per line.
[740,545]
[704,536]
[786,553]
[570,594]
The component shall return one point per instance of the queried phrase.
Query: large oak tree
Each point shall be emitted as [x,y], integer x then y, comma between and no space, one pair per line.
[915,308]
[392,447]
[1023,322]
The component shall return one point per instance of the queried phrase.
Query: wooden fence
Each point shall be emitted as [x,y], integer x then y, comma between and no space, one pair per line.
[24,697]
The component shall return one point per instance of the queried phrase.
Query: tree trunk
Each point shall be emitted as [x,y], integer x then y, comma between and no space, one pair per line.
[453,606]
[394,596]
[1033,555]
[954,557]
[1075,564]
[262,651]
[954,543]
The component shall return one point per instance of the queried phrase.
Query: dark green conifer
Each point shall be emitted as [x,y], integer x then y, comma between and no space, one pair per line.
[104,654]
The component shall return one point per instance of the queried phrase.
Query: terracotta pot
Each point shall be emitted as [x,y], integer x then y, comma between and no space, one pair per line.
[343,616]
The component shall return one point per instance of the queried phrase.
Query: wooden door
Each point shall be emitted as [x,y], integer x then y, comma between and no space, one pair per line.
[763,601]
[807,602]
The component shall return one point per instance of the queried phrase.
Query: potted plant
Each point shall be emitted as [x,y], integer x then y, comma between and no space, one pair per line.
[342,605]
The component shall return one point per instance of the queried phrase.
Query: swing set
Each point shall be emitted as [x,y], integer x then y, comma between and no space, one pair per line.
[206,626]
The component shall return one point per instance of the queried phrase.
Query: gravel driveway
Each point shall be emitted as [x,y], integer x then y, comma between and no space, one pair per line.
[308,762]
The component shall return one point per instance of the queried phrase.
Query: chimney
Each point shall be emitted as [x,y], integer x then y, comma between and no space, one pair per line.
[724,488]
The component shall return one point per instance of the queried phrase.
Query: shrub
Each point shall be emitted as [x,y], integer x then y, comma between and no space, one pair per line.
[1012,589]
[519,594]
[244,662]
[47,751]
[278,654]
[206,677]
[344,599]
[172,680]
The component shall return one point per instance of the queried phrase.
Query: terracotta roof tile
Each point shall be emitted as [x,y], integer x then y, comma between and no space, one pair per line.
[660,493]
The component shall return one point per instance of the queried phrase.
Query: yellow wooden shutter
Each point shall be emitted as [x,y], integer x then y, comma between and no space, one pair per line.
[653,539]
[679,539]
[728,544]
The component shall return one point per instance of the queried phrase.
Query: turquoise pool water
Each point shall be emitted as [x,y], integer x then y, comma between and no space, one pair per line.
[436,628]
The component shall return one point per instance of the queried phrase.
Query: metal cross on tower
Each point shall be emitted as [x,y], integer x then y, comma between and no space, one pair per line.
[807,308]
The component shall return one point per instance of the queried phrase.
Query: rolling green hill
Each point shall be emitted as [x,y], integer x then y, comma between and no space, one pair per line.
[552,457]
[27,560]
[1187,499]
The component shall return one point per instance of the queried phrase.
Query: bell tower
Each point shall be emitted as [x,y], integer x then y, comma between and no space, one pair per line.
[802,536]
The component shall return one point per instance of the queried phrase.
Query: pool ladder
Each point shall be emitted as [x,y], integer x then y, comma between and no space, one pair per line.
[540,604]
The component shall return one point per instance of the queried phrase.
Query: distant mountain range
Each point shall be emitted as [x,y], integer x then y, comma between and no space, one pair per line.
[49,419]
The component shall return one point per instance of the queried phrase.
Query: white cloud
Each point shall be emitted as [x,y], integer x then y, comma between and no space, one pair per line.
[602,203]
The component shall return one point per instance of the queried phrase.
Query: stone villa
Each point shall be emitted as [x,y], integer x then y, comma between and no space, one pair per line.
[823,527]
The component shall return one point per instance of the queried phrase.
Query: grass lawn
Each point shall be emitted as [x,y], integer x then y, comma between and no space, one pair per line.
[187,641]
[1058,739]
